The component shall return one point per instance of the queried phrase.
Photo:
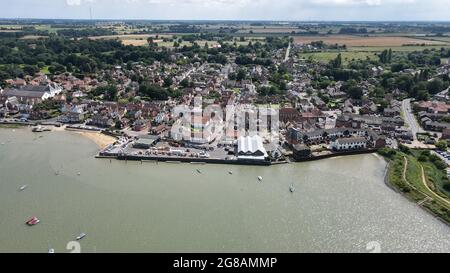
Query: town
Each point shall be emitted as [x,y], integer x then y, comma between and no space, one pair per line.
[224,126]
[318,110]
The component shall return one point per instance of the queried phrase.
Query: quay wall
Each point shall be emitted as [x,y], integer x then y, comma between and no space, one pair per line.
[358,152]
[192,160]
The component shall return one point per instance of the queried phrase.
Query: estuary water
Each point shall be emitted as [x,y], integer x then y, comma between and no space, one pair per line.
[340,205]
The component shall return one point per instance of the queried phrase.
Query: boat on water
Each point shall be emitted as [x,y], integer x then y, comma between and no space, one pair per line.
[292,188]
[81,236]
[199,171]
[24,187]
[33,221]
[260,178]
[78,173]
[37,129]
[230,172]
[51,250]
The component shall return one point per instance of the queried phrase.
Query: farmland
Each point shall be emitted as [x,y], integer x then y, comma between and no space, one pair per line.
[326,57]
[360,41]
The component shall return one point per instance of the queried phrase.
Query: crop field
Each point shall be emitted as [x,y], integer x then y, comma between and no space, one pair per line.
[377,41]
[326,57]
[268,30]
[396,48]
[130,37]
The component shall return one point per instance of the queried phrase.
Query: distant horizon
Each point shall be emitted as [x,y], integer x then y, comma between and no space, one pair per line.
[230,10]
[226,20]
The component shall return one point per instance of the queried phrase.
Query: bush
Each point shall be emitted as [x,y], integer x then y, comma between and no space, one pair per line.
[423,158]
[441,145]
[447,186]
[386,152]
[404,149]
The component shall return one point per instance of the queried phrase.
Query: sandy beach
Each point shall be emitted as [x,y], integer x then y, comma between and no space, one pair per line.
[100,139]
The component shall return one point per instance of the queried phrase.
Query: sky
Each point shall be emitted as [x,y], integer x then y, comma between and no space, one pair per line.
[279,10]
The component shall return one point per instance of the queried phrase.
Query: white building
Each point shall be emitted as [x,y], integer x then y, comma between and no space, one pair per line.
[251,148]
[31,94]
[353,143]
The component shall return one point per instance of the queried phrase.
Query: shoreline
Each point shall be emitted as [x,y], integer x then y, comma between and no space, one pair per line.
[101,140]
[397,189]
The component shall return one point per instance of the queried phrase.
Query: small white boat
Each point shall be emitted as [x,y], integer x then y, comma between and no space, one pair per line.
[81,236]
[230,172]
[56,173]
[51,250]
[78,173]
[292,188]
[24,187]
[260,178]
[199,171]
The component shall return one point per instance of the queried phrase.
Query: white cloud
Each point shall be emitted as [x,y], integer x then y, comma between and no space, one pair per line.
[360,2]
[73,2]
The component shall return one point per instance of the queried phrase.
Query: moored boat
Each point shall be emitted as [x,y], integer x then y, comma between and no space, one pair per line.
[292,188]
[33,221]
[81,236]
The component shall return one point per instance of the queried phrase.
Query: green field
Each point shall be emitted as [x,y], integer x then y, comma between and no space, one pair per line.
[396,48]
[326,57]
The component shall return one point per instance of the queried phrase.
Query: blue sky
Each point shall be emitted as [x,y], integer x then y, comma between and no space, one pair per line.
[301,10]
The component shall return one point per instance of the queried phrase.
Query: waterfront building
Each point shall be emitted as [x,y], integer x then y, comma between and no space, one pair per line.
[31,94]
[301,151]
[251,148]
[353,143]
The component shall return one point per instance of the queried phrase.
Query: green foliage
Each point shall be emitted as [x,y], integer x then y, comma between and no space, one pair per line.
[109,92]
[438,162]
[352,89]
[435,86]
[386,56]
[387,152]
[441,145]
[446,186]
[404,149]
[156,92]
[337,63]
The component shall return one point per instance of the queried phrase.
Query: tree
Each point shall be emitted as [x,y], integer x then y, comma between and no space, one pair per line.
[441,145]
[168,81]
[109,92]
[241,75]
[423,95]
[435,86]
[355,92]
[447,186]
[337,63]
[403,149]
[185,83]
[153,91]
[386,56]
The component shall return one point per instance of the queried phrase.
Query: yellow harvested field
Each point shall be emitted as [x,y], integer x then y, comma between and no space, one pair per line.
[129,36]
[365,41]
[135,42]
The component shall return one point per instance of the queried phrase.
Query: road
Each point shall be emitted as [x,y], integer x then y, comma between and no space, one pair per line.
[286,58]
[410,119]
